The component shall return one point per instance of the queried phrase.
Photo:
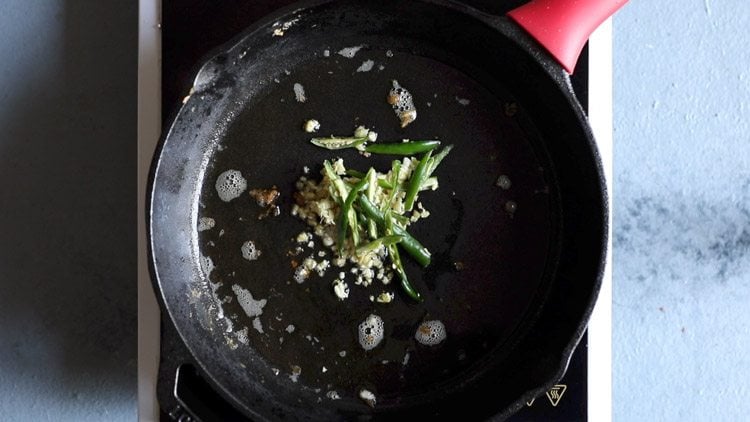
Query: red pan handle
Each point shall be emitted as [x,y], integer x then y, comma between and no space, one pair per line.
[563,26]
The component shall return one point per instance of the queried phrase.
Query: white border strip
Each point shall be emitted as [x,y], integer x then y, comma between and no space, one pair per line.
[600,326]
[149,128]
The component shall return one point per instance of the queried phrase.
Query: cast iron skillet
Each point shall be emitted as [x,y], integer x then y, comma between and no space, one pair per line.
[515,271]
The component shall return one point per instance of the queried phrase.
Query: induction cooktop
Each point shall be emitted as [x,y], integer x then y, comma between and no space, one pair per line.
[189,30]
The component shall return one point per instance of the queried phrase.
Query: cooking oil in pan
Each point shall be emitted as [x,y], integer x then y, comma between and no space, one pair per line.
[488,263]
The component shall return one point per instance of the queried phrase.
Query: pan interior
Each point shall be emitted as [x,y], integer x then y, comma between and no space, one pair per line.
[491,266]
[502,254]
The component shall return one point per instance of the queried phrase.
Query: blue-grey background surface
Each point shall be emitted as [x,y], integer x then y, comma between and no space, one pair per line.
[681,330]
[681,311]
[68,74]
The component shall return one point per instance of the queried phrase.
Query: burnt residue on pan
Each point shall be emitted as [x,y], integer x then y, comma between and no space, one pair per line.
[489,264]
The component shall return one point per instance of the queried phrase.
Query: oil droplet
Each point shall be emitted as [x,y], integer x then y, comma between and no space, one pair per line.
[511,207]
[503,182]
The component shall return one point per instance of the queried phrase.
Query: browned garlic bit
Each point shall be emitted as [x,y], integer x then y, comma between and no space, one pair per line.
[266,198]
[403,104]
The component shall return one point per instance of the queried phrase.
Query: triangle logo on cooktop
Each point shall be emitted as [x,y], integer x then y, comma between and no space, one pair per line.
[555,394]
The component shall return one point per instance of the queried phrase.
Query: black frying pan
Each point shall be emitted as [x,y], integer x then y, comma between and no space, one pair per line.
[515,271]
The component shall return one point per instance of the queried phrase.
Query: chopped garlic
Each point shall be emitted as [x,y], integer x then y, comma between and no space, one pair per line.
[322,267]
[301,274]
[316,206]
[309,263]
[303,237]
[341,289]
[311,126]
[338,166]
[361,132]
[368,397]
[385,297]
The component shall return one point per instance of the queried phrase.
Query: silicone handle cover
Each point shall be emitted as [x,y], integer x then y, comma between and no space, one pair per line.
[564,26]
